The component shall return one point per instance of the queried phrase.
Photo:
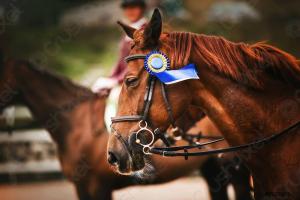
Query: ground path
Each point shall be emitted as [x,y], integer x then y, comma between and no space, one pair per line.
[182,189]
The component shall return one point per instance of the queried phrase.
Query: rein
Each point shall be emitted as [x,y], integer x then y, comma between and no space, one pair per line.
[168,151]
[173,151]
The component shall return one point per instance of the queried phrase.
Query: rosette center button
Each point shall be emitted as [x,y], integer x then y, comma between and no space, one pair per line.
[157,63]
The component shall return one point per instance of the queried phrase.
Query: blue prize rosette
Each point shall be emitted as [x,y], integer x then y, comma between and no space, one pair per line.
[158,64]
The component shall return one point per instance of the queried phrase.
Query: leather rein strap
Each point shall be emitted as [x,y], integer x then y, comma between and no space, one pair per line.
[173,151]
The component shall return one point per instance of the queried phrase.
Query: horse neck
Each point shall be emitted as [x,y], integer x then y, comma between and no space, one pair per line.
[51,99]
[44,92]
[241,113]
[244,115]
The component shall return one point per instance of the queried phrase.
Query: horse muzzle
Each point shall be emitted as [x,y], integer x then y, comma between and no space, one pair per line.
[124,155]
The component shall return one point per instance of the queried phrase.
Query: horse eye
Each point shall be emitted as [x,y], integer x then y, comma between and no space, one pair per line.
[131,81]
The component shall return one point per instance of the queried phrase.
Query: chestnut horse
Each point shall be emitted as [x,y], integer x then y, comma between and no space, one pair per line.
[73,116]
[249,91]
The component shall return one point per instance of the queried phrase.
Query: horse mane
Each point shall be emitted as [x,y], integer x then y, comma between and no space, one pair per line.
[243,63]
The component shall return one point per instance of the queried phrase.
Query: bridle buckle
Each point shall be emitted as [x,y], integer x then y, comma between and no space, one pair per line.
[176,133]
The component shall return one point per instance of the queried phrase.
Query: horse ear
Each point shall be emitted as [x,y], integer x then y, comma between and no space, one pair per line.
[128,30]
[153,30]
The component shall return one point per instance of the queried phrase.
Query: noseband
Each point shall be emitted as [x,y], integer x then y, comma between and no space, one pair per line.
[157,134]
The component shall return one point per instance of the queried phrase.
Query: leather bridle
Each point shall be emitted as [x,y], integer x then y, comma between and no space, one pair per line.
[142,119]
[157,134]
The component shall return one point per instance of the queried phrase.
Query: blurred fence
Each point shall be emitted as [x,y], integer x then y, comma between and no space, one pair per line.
[27,152]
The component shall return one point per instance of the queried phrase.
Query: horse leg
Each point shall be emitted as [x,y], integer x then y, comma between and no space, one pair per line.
[211,171]
[241,183]
[99,192]
[82,192]
[103,194]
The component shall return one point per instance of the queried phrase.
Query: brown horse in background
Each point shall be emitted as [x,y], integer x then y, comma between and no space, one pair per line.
[73,116]
[249,91]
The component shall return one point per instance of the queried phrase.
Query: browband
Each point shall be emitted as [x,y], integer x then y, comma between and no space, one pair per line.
[134,57]
[127,118]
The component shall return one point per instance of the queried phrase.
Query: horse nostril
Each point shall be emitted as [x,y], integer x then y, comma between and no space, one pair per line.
[112,159]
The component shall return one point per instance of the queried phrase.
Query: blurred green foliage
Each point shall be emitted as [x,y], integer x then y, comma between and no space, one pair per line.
[39,37]
[71,55]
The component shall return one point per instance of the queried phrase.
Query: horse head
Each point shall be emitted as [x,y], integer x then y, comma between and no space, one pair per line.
[139,112]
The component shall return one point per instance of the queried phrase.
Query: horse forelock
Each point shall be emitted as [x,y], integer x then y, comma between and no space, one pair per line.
[246,64]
